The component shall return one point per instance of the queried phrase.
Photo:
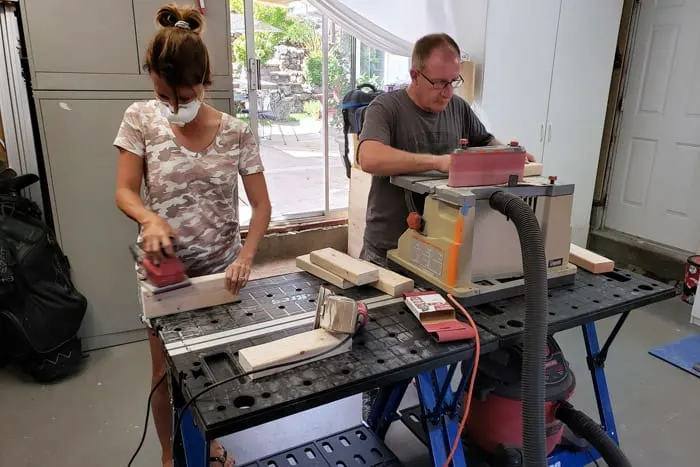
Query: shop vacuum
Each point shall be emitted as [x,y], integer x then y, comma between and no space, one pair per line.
[520,405]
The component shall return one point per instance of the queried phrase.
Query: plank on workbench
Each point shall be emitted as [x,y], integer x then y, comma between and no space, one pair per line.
[357,271]
[306,345]
[304,263]
[392,283]
[590,261]
[204,292]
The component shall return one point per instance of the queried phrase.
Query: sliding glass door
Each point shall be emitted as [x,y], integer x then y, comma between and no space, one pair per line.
[278,88]
[291,68]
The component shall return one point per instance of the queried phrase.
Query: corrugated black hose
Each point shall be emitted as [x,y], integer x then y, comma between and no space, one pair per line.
[582,425]
[535,340]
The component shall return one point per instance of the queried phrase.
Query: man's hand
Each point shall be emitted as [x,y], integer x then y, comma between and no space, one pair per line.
[530,157]
[442,163]
[237,274]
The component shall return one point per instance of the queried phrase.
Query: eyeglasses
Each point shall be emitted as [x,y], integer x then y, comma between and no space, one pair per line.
[442,84]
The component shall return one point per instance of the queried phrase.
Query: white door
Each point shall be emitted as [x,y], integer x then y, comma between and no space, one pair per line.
[583,64]
[519,53]
[655,184]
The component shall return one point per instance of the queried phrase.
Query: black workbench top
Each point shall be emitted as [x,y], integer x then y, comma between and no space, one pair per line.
[591,297]
[392,347]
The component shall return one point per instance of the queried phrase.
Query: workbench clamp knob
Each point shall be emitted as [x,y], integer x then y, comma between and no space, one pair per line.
[514,144]
[552,179]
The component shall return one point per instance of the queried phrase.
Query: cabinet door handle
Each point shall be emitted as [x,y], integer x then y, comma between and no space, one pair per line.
[541,132]
[549,131]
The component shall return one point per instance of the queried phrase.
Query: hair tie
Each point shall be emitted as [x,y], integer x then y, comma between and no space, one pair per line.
[182,25]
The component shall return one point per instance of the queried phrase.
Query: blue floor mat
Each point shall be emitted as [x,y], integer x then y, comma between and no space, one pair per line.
[683,354]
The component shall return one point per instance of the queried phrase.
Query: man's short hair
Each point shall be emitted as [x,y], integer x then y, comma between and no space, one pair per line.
[426,44]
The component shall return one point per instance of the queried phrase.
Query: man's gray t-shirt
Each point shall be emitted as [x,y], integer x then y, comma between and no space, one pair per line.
[395,120]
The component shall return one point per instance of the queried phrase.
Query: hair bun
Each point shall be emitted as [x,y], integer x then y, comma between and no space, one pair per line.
[169,15]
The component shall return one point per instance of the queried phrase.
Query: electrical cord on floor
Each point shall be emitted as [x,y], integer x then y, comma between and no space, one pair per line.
[145,425]
[178,422]
[593,458]
[477,353]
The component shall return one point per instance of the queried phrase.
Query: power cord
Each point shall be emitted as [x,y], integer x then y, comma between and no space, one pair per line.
[176,427]
[145,425]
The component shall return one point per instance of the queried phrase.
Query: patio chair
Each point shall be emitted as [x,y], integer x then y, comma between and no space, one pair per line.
[267,112]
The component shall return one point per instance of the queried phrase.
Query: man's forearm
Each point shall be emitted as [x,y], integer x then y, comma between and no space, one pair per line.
[379,159]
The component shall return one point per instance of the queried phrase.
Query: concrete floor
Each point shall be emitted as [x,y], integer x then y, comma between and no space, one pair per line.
[96,418]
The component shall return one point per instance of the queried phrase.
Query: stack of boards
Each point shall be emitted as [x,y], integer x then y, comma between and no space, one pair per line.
[343,271]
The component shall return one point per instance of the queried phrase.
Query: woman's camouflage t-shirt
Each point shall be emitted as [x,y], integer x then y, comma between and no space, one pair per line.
[196,192]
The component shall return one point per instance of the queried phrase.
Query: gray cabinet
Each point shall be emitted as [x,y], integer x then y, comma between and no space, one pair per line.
[59,30]
[98,45]
[78,129]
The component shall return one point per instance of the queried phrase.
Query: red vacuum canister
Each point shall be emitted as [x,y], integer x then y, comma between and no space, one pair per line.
[495,417]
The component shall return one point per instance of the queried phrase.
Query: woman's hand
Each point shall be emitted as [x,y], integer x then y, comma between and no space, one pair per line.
[237,274]
[158,237]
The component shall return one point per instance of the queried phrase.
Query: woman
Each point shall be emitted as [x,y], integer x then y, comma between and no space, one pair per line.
[189,156]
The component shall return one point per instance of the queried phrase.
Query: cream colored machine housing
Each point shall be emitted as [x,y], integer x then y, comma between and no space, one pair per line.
[468,249]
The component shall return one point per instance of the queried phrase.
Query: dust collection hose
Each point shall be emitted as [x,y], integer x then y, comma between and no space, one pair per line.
[535,340]
[582,425]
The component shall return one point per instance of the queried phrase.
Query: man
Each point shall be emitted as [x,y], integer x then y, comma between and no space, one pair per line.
[412,130]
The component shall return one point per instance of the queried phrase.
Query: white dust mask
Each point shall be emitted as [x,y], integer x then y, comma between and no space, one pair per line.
[185,112]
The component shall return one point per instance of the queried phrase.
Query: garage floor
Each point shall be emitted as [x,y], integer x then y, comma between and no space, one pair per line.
[96,418]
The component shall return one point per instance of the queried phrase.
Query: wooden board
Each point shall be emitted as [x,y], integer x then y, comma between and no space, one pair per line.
[205,291]
[357,271]
[306,345]
[304,263]
[533,169]
[590,261]
[392,283]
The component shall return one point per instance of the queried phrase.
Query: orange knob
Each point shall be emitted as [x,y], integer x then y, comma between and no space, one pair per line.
[414,221]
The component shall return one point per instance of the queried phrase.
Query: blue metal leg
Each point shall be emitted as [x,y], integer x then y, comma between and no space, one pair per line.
[600,385]
[596,361]
[438,402]
[383,412]
[196,450]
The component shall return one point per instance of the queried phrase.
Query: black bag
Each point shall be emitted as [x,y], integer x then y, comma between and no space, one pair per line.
[40,309]
[353,106]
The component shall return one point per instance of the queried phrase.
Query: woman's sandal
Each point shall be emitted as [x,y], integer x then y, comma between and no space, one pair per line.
[221,459]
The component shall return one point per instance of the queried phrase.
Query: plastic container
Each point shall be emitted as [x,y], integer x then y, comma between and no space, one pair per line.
[692,276]
[489,165]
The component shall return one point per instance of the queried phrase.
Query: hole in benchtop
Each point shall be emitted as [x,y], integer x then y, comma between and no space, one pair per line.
[645,287]
[243,402]
[281,307]
[214,321]
[177,329]
[265,395]
[197,363]
[380,361]
[268,295]
[574,307]
[414,351]
[346,371]
[249,314]
[298,289]
[392,334]
[220,408]
[311,300]
[596,301]
[307,382]
[515,323]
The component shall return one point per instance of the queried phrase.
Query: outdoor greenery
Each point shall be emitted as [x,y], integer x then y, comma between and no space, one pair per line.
[297,32]
[305,34]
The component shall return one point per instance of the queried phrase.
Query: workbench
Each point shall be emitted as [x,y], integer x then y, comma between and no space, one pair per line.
[392,350]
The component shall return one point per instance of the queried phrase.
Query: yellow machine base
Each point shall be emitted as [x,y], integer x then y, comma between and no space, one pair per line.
[483,291]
